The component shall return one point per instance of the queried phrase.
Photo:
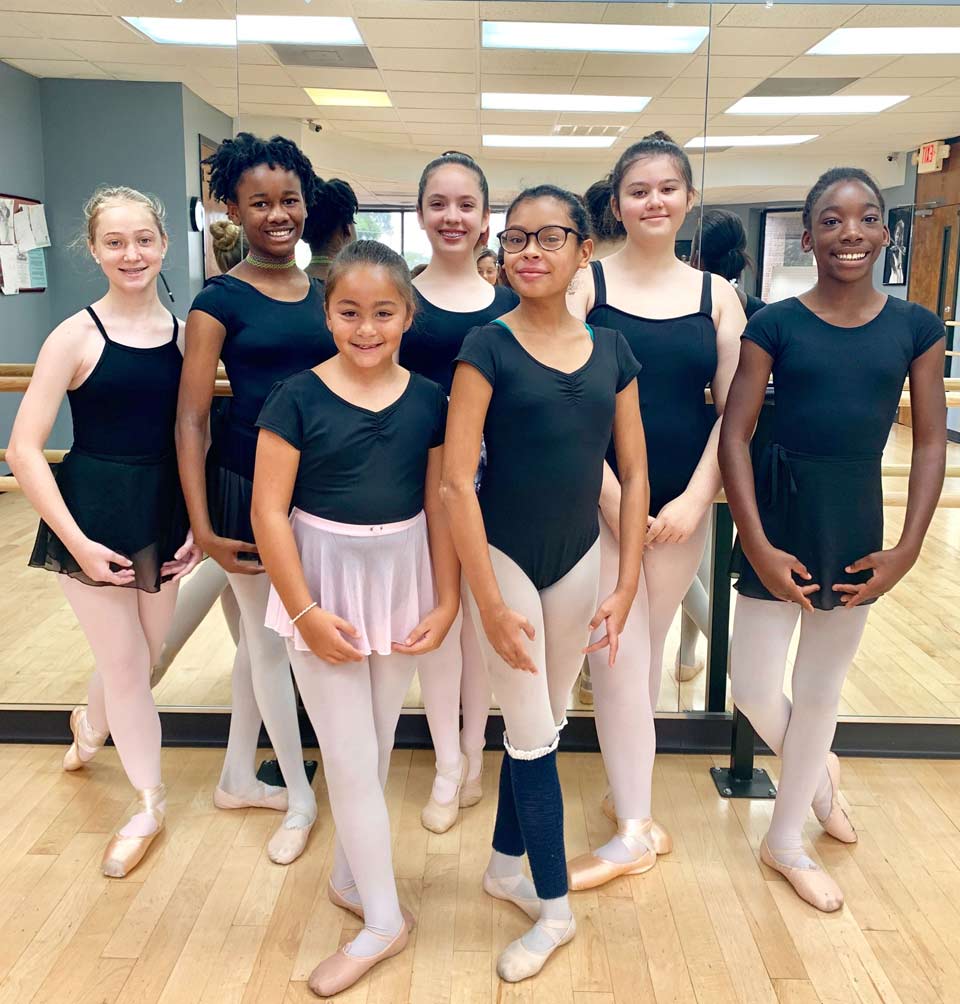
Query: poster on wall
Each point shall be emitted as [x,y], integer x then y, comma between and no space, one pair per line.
[212,209]
[899,222]
[23,236]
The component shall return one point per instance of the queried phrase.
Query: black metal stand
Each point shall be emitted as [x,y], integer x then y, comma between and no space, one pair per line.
[269,772]
[741,779]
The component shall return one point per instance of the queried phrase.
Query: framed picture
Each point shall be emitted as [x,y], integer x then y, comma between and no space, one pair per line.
[899,222]
[212,210]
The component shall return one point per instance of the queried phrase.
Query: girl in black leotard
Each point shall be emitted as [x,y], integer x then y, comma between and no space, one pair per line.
[810,517]
[682,325]
[546,391]
[451,298]
[265,320]
[114,523]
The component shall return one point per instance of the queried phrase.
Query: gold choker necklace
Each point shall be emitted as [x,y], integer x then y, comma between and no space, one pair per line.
[270,263]
[321,259]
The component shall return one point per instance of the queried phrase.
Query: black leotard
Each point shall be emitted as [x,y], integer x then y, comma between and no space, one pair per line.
[547,432]
[356,465]
[431,343]
[818,483]
[120,479]
[679,359]
[266,341]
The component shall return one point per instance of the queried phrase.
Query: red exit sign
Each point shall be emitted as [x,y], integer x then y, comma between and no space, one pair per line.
[930,157]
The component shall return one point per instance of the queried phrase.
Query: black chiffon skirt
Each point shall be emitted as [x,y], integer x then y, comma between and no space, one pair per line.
[229,498]
[828,511]
[133,505]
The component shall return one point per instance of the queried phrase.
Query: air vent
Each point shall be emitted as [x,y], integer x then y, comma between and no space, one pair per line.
[352,57]
[800,87]
[579,130]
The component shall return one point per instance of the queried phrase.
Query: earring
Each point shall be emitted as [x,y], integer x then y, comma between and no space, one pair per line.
[96,259]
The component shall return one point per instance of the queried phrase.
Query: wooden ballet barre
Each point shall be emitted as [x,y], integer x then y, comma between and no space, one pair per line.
[51,456]
[26,369]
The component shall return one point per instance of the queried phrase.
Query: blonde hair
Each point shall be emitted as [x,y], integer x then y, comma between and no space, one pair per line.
[227,241]
[112,195]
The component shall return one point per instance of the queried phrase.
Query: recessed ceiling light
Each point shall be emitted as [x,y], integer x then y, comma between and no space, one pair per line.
[186,30]
[888,42]
[297,30]
[701,142]
[592,37]
[579,142]
[822,104]
[354,99]
[562,102]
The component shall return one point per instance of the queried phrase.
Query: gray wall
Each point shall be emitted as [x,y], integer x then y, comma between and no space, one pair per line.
[25,318]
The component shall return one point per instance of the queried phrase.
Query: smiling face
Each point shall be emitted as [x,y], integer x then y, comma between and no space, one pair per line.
[129,246]
[533,272]
[451,212]
[367,315]
[487,267]
[270,209]
[653,200]
[847,233]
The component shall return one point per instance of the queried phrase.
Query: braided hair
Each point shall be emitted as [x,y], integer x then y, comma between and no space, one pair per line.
[236,156]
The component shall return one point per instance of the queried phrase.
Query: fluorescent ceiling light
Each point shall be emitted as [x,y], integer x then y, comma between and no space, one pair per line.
[186,30]
[578,142]
[592,37]
[297,30]
[823,104]
[702,142]
[562,102]
[352,99]
[888,42]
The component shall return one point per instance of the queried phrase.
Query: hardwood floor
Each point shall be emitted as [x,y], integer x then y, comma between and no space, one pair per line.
[208,919]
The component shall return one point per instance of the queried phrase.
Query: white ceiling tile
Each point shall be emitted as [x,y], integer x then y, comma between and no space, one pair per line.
[86,28]
[904,85]
[583,13]
[391,31]
[622,86]
[137,71]
[657,13]
[596,119]
[33,48]
[509,84]
[463,116]
[219,76]
[399,80]
[364,80]
[454,139]
[356,114]
[878,16]
[329,8]
[930,103]
[618,64]
[831,66]
[381,138]
[427,99]
[360,125]
[540,119]
[74,68]
[268,76]
[119,52]
[525,62]
[786,16]
[443,128]
[280,111]
[53,6]
[921,66]
[437,59]
[454,9]
[295,96]
[749,66]
[768,41]
[949,87]
[162,8]
[256,55]
[720,87]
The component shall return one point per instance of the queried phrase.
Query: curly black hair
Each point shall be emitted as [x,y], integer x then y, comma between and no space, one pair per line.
[235,156]
[332,210]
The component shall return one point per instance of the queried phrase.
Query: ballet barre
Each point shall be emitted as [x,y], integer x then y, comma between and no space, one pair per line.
[51,456]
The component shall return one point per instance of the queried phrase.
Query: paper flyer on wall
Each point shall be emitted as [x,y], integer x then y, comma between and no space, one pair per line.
[9,267]
[30,228]
[6,221]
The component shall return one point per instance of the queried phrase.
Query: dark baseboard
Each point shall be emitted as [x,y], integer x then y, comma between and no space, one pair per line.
[953,437]
[694,733]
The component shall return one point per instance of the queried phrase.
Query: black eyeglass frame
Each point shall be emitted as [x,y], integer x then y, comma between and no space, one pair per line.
[536,235]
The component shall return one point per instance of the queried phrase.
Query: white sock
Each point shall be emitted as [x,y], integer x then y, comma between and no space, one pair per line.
[537,939]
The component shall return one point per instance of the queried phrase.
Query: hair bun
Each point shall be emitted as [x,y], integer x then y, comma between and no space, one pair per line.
[225,235]
[661,137]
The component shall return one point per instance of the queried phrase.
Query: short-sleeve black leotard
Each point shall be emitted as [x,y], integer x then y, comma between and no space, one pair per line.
[679,359]
[356,465]
[266,341]
[819,487]
[547,433]
[430,345]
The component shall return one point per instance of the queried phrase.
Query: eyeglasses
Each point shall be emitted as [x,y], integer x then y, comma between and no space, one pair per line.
[514,240]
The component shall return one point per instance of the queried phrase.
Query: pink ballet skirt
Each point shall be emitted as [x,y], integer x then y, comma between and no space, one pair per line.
[378,578]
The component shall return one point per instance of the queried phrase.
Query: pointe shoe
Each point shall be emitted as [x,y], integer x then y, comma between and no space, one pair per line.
[684,673]
[498,889]
[837,822]
[812,885]
[288,843]
[338,899]
[341,970]
[517,962]
[123,854]
[438,817]
[589,871]
[222,799]
[85,740]
[658,838]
